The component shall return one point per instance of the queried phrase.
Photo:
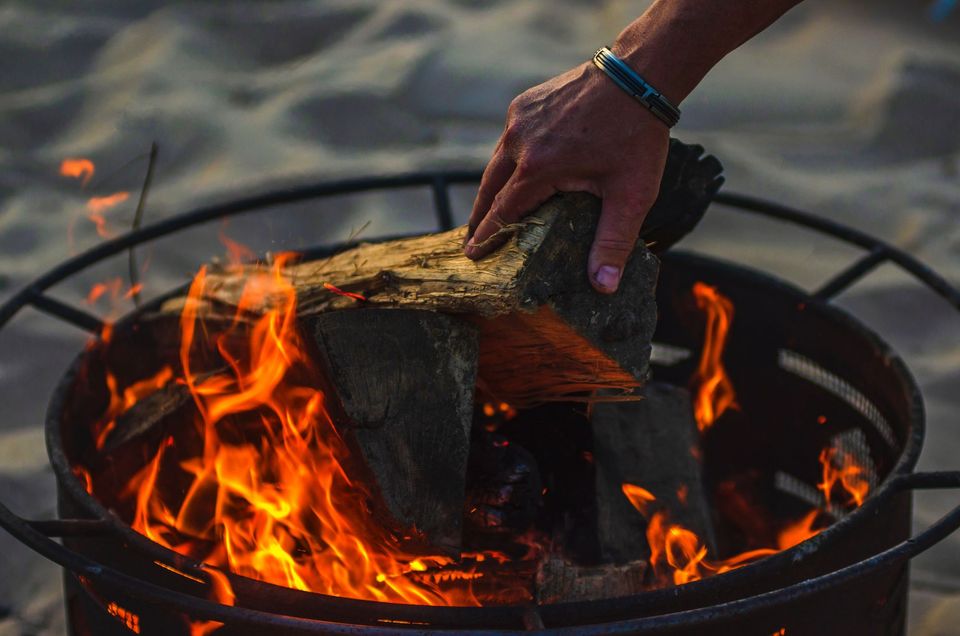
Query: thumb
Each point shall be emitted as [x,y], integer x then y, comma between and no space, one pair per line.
[621,217]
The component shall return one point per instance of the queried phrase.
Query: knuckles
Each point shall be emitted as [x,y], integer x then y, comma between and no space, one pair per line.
[528,166]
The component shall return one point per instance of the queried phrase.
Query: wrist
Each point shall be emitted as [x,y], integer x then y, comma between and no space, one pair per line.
[671,50]
[636,86]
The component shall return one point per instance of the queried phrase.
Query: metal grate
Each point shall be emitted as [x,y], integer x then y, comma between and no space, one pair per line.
[809,370]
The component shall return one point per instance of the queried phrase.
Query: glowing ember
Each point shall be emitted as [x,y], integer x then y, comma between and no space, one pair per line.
[714,391]
[77,168]
[113,291]
[97,206]
[340,292]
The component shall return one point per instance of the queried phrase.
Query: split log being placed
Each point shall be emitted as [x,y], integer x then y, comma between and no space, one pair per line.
[544,332]
[559,581]
[405,380]
[654,444]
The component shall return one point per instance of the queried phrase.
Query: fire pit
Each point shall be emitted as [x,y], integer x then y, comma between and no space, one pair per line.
[808,377]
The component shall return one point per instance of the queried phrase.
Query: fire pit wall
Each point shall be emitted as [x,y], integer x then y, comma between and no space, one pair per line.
[805,376]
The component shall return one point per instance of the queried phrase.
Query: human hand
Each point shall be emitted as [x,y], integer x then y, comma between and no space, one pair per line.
[576,132]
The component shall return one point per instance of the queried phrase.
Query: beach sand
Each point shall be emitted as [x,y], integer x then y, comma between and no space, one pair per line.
[847,109]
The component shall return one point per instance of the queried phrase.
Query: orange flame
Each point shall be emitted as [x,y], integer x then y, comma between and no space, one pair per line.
[86,479]
[714,391]
[639,498]
[222,592]
[799,531]
[120,402]
[270,496]
[77,168]
[111,291]
[237,253]
[840,467]
[678,555]
[97,206]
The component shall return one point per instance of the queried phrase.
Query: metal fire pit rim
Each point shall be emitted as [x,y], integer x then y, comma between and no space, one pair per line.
[33,295]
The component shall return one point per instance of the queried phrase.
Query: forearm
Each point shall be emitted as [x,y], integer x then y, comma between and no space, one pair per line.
[676,42]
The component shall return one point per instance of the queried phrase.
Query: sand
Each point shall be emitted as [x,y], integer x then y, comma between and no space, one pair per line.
[848,109]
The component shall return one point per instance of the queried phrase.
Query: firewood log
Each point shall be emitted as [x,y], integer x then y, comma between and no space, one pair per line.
[654,444]
[559,581]
[544,332]
[405,381]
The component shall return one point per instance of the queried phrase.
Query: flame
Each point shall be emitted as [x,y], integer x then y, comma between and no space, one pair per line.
[799,531]
[222,592]
[86,479]
[111,289]
[270,495]
[97,206]
[714,391]
[121,401]
[108,289]
[840,467]
[77,168]
[678,555]
[237,253]
[638,497]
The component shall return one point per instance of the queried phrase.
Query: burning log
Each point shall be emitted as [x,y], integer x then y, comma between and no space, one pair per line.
[149,417]
[405,380]
[544,332]
[652,444]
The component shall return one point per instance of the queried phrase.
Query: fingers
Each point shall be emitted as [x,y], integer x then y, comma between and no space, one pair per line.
[621,217]
[518,197]
[495,175]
